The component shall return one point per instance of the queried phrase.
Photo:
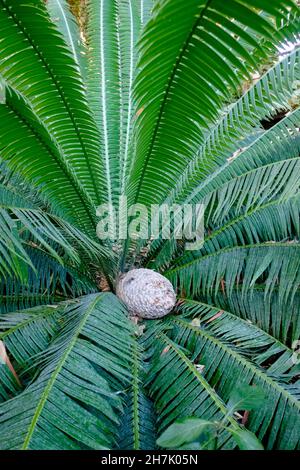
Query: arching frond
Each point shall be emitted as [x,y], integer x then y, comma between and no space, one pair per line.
[179,389]
[280,321]
[47,283]
[266,170]
[113,31]
[273,221]
[134,14]
[23,222]
[8,384]
[9,381]
[230,136]
[138,425]
[222,142]
[66,23]
[20,139]
[179,102]
[29,332]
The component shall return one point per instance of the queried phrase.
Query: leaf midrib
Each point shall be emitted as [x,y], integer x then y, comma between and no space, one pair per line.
[227,250]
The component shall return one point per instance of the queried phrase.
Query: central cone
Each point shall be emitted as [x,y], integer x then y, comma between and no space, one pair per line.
[146,293]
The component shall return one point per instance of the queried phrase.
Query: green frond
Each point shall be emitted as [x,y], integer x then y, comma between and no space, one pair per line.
[13,258]
[272,221]
[138,425]
[179,389]
[237,126]
[29,332]
[273,264]
[20,213]
[145,10]
[47,283]
[193,65]
[85,369]
[104,88]
[8,384]
[24,223]
[250,333]
[166,102]
[133,14]
[280,321]
[22,136]
[113,31]
[289,28]
[34,53]
[270,93]
[66,23]
[267,164]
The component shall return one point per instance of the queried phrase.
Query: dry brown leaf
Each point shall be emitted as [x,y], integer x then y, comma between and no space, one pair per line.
[4,357]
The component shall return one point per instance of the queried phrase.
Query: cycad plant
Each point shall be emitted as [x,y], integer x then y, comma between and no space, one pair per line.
[176,102]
